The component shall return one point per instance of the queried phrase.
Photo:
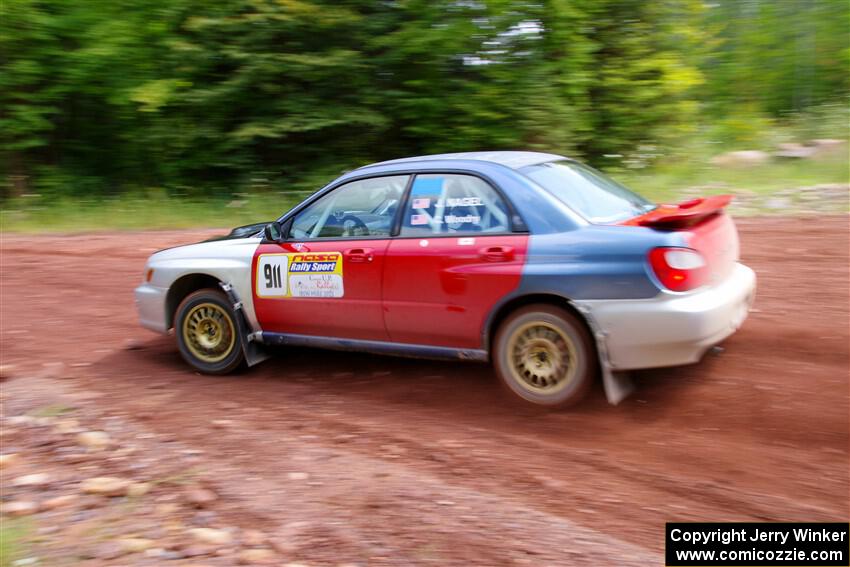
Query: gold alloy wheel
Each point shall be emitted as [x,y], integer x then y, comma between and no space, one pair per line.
[542,358]
[208,332]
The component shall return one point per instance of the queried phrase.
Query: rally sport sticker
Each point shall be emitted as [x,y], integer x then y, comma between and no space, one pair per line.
[300,275]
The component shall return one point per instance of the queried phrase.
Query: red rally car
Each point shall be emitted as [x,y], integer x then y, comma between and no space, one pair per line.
[540,265]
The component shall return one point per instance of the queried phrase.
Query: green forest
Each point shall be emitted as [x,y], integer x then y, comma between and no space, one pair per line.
[212,99]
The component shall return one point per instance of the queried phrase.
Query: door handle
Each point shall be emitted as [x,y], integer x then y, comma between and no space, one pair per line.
[360,255]
[497,253]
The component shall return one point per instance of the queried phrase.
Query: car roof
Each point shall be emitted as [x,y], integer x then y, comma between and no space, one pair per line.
[512,159]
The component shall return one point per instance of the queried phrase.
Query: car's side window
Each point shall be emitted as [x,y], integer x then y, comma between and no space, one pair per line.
[358,209]
[453,204]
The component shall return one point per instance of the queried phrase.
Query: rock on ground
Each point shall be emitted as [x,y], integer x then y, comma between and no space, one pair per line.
[63,501]
[18,508]
[211,536]
[200,497]
[94,440]
[105,485]
[35,479]
[8,460]
[794,150]
[257,556]
[743,158]
[135,544]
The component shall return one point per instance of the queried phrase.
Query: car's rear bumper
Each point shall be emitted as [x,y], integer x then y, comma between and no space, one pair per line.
[672,328]
[150,303]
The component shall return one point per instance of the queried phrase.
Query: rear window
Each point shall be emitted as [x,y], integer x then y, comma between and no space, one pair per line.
[594,196]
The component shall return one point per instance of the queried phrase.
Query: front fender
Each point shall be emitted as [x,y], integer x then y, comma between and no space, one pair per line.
[228,261]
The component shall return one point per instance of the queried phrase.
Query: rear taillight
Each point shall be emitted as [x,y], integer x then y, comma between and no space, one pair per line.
[678,269]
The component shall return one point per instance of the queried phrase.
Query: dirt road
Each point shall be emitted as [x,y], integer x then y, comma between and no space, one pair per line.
[427,463]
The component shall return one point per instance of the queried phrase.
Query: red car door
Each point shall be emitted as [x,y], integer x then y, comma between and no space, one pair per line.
[325,278]
[453,260]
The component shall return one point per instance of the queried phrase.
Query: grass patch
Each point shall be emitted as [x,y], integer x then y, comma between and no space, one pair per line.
[668,181]
[134,212]
[54,410]
[14,536]
[180,478]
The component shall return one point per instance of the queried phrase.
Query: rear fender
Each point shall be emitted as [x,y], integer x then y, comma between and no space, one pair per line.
[617,385]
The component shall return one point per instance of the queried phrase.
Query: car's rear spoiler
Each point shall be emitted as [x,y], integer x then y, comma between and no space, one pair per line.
[682,215]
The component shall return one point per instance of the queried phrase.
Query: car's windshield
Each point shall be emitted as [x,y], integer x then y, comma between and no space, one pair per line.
[596,197]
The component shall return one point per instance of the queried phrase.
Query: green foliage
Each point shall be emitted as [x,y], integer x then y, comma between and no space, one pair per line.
[778,57]
[209,99]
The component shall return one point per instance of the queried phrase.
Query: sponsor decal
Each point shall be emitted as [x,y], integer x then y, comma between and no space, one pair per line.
[316,285]
[452,219]
[461,202]
[315,263]
[421,203]
[465,241]
[300,275]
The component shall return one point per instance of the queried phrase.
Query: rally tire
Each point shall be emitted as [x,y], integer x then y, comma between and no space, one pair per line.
[544,356]
[207,332]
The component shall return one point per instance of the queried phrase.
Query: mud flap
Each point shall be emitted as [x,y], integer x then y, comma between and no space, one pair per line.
[618,385]
[254,351]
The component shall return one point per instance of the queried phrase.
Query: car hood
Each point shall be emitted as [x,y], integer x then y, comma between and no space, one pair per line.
[207,249]
[247,231]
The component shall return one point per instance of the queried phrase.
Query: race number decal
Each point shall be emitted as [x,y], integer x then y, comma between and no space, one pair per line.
[300,275]
[272,275]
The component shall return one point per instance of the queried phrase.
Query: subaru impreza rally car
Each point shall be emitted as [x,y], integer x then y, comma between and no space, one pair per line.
[534,262]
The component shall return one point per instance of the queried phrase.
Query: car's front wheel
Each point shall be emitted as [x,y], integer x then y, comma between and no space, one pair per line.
[544,355]
[207,334]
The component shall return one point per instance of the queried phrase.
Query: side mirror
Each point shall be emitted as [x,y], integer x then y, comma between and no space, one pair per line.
[273,232]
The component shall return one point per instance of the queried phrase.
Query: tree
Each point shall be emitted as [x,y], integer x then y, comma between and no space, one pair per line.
[210,98]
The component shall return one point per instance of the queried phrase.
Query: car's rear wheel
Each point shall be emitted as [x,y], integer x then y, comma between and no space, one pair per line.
[207,334]
[543,354]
